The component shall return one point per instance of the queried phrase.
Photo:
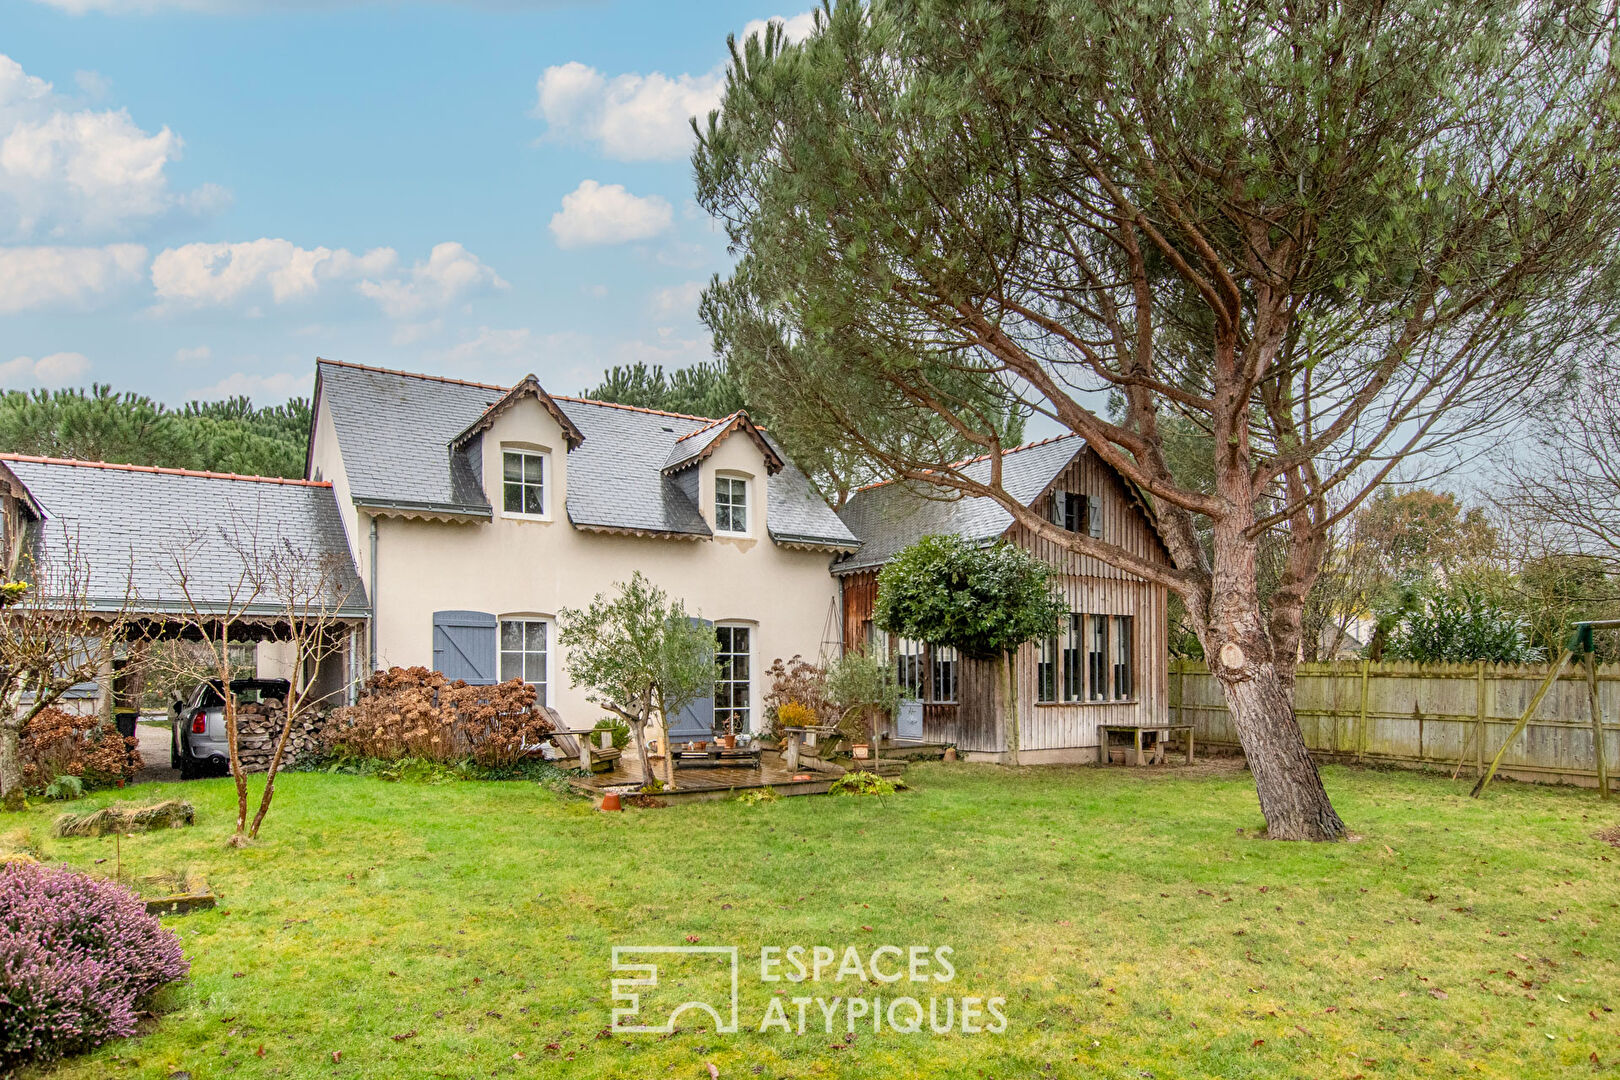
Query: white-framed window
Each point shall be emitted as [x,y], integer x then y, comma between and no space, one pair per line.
[730,504]
[1046,670]
[525,653]
[942,661]
[732,678]
[1124,675]
[1074,675]
[1097,657]
[523,483]
[908,667]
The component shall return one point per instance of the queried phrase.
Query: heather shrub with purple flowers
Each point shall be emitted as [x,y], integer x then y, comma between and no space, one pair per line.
[77,955]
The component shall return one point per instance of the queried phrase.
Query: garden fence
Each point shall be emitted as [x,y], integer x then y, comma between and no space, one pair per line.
[1429,716]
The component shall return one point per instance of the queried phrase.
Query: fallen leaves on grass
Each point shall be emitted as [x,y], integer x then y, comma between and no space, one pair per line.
[411,1034]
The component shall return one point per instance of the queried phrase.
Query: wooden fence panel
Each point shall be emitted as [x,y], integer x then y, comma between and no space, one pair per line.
[1429,716]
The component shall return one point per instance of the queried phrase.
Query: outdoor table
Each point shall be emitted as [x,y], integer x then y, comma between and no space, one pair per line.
[1136,731]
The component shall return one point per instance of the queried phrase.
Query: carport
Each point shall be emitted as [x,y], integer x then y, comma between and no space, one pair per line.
[178,555]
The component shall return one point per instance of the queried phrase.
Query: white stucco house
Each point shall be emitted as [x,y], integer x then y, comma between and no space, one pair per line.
[475,513]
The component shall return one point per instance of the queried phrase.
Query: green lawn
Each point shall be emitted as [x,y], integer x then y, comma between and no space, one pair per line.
[1132,922]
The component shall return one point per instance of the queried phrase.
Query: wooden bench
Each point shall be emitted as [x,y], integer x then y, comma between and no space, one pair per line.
[1162,732]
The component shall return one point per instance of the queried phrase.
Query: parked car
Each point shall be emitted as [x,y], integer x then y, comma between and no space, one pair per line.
[199,747]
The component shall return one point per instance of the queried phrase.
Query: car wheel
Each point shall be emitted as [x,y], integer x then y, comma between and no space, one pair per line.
[174,748]
[188,768]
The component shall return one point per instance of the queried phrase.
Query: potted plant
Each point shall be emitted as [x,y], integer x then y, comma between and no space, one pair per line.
[950,751]
[729,741]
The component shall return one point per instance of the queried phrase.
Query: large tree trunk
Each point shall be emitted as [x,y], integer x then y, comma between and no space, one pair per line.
[11,781]
[1254,657]
[1292,798]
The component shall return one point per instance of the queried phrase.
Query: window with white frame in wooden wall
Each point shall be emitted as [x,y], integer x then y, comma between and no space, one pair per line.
[1090,659]
[926,672]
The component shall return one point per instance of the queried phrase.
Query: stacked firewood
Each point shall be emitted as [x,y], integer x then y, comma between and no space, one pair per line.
[258,726]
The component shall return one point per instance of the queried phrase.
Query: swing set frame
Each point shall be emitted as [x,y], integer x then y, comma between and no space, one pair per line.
[1582,640]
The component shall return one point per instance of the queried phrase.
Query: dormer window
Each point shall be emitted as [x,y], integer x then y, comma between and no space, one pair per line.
[523,474]
[730,504]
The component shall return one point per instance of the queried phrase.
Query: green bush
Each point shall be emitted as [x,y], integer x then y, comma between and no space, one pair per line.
[861,783]
[1461,626]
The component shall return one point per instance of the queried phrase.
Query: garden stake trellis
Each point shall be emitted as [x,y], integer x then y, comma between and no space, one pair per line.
[1582,637]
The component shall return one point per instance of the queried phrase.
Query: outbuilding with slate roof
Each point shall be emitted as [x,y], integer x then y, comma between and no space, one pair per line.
[1108,663]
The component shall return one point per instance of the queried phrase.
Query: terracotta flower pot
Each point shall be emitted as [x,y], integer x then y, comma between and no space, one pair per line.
[729,742]
[862,750]
[610,801]
[950,753]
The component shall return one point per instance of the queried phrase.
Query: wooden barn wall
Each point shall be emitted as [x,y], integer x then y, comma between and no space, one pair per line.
[1092,587]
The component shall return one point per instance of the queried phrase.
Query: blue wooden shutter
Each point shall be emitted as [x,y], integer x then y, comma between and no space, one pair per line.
[1094,516]
[1060,500]
[464,646]
[695,723]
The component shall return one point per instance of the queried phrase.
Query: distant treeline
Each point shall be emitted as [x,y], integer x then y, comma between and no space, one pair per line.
[100,424]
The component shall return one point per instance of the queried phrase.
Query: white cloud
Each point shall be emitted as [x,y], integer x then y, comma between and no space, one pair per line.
[796,27]
[632,117]
[594,213]
[207,273]
[635,117]
[66,172]
[34,277]
[199,354]
[450,273]
[210,274]
[261,388]
[677,301]
[57,369]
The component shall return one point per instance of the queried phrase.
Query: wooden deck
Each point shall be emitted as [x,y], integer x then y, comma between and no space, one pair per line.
[697,784]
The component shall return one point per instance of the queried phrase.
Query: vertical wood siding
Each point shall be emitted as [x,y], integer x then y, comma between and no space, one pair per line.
[1092,587]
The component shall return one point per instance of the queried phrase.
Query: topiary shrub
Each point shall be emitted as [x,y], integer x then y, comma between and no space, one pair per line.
[77,956]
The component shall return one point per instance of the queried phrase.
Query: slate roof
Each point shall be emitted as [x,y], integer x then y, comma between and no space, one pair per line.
[125,517]
[395,429]
[890,517]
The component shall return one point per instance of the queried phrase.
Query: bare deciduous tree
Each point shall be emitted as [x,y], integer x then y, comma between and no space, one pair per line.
[53,636]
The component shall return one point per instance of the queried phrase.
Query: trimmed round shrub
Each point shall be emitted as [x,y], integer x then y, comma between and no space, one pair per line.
[77,956]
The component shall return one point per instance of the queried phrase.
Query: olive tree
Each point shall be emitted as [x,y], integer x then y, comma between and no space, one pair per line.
[1322,238]
[638,654]
[986,600]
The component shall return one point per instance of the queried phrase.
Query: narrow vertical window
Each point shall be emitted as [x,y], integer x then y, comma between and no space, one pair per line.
[523,654]
[1074,675]
[1122,658]
[943,662]
[1097,658]
[1046,663]
[908,666]
[732,683]
[524,476]
[730,504]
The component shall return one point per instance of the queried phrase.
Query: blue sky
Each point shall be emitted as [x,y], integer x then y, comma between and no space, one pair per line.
[198,197]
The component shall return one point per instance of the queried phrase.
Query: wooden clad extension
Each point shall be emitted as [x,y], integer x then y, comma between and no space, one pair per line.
[1059,730]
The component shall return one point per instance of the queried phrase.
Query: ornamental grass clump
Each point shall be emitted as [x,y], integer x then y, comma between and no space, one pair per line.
[78,955]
